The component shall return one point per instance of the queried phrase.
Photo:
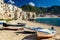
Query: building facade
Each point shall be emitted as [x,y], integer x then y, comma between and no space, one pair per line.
[8,11]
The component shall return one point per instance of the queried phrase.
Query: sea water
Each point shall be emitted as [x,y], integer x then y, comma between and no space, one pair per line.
[50,21]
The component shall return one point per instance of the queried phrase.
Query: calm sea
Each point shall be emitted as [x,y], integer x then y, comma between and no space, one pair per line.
[51,21]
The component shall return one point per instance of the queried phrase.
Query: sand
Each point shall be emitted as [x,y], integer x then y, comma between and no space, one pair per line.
[12,35]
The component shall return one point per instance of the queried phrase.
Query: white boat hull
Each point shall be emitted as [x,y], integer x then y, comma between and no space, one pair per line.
[45,33]
[41,35]
[26,29]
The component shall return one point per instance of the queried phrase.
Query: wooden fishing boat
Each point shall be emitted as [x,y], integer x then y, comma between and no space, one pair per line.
[1,22]
[45,33]
[31,29]
[13,28]
[13,24]
[27,28]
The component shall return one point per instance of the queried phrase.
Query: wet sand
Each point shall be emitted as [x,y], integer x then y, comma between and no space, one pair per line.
[11,35]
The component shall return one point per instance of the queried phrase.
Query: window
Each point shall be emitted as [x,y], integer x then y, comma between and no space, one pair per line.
[9,15]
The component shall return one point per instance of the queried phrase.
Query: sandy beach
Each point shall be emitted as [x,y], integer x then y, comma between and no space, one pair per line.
[12,35]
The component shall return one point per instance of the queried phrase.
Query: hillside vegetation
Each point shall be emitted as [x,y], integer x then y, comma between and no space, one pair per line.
[52,10]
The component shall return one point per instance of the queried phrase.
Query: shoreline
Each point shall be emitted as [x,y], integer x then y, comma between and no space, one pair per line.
[35,24]
[32,23]
[44,24]
[47,17]
[8,33]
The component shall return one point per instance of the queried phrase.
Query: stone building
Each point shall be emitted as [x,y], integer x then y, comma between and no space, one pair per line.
[8,11]
[28,15]
[31,14]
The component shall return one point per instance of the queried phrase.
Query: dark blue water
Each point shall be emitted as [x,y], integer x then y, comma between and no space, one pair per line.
[51,21]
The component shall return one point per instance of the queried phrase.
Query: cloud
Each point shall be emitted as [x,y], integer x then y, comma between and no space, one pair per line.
[10,1]
[32,4]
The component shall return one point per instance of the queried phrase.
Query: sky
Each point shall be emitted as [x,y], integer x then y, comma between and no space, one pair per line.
[37,3]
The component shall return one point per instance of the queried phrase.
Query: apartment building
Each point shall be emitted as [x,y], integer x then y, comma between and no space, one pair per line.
[8,11]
